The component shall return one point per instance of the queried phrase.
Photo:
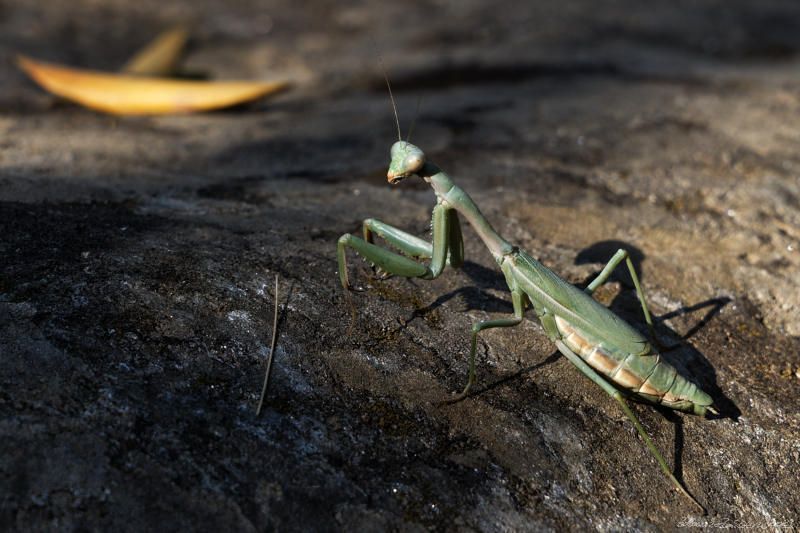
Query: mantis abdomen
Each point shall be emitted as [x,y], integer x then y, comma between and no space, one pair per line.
[644,376]
[619,353]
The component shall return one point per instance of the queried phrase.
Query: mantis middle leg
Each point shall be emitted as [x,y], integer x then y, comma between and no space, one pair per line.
[602,276]
[519,299]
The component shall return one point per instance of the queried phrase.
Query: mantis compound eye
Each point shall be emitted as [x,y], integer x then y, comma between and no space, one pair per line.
[414,162]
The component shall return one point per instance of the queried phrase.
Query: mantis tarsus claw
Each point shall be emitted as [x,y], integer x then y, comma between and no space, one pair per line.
[377,273]
[458,397]
[451,401]
[667,347]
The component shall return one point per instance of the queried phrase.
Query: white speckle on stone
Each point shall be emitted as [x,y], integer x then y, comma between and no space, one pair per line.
[239,316]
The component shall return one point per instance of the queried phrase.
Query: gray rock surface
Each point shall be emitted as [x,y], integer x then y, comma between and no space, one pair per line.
[138,259]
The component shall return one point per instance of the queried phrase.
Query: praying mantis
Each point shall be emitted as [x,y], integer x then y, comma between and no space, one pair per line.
[604,347]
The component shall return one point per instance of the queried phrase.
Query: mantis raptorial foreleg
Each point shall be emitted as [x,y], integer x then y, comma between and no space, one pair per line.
[617,395]
[602,276]
[406,242]
[447,244]
[413,245]
[519,301]
[409,244]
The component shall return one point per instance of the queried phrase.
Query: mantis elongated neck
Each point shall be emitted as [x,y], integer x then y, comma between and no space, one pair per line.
[461,201]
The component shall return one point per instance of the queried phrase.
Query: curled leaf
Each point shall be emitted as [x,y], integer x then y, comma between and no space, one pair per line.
[160,56]
[125,94]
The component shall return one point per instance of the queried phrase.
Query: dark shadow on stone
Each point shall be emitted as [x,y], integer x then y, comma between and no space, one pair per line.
[715,304]
[58,241]
[488,278]
[519,374]
[475,296]
[328,158]
[677,460]
[467,74]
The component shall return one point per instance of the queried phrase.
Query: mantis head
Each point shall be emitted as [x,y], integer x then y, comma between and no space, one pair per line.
[407,160]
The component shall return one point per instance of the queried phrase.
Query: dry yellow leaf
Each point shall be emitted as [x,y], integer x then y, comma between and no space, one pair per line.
[133,95]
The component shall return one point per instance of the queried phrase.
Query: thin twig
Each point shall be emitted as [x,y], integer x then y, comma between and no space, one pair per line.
[352,312]
[271,349]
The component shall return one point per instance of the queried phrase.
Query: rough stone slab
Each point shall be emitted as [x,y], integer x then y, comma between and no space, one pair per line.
[139,255]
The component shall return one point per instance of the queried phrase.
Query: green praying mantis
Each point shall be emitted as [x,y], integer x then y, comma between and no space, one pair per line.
[604,347]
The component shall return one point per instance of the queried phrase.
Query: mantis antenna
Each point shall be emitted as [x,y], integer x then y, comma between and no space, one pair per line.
[413,120]
[389,86]
[394,106]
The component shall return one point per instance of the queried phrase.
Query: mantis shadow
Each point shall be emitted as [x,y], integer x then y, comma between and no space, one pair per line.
[475,295]
[519,374]
[685,358]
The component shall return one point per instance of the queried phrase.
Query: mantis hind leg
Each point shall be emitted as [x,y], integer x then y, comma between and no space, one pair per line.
[617,395]
[519,299]
[612,264]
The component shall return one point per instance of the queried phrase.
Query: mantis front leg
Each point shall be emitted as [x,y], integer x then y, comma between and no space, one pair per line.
[447,247]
